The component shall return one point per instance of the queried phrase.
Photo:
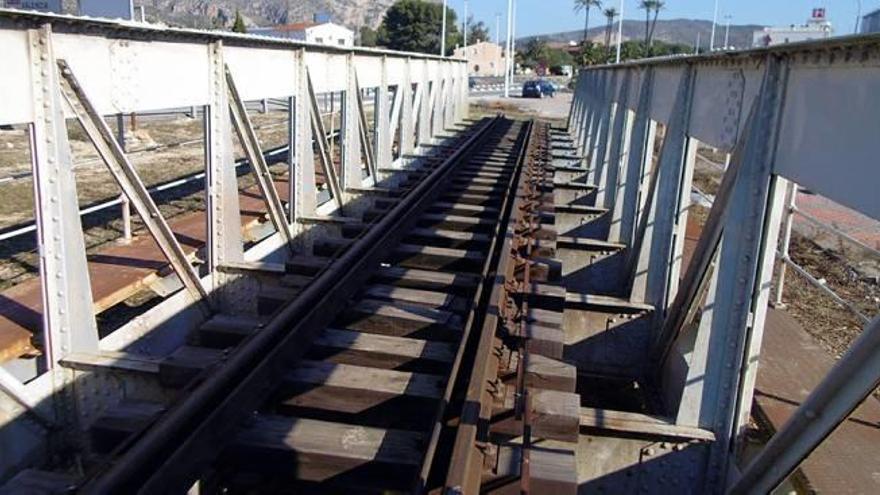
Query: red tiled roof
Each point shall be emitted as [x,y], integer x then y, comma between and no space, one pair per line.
[299,26]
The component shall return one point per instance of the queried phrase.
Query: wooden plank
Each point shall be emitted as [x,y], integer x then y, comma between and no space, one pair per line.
[587,244]
[382,351]
[462,208]
[185,363]
[630,422]
[474,199]
[427,279]
[551,374]
[120,421]
[447,238]
[355,389]
[436,258]
[226,331]
[112,361]
[575,300]
[428,298]
[455,222]
[322,451]
[402,320]
[554,415]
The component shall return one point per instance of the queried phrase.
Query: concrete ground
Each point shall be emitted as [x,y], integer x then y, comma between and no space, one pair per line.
[546,108]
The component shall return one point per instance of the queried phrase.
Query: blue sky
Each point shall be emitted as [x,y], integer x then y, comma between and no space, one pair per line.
[547,16]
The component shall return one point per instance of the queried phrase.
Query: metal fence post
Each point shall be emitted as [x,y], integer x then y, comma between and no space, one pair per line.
[791,200]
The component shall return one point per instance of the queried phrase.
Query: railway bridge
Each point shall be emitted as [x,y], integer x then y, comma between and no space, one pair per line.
[427,301]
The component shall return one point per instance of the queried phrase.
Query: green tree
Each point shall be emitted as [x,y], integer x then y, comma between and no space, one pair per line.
[609,14]
[585,5]
[414,25]
[477,31]
[651,6]
[592,54]
[238,24]
[368,36]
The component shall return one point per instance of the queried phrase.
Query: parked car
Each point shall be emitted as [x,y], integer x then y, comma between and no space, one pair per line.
[547,88]
[532,89]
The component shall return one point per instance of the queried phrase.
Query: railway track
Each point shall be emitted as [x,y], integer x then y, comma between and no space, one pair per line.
[357,380]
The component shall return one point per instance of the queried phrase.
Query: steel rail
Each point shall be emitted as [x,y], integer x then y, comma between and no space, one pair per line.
[494,264]
[185,440]
[463,475]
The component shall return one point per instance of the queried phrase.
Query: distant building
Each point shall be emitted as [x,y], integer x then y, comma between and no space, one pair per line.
[871,22]
[483,58]
[320,30]
[817,27]
[41,5]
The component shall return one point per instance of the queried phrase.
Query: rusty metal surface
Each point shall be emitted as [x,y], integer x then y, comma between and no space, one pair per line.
[117,271]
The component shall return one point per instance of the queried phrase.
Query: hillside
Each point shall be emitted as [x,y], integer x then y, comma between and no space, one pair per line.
[206,14]
[683,31]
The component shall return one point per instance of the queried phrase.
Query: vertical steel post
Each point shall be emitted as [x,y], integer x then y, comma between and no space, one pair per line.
[681,215]
[425,90]
[68,322]
[292,158]
[791,200]
[305,188]
[614,155]
[125,204]
[351,143]
[407,122]
[626,207]
[383,135]
[649,272]
[223,211]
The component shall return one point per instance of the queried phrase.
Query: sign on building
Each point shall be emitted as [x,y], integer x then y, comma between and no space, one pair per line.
[113,9]
[41,5]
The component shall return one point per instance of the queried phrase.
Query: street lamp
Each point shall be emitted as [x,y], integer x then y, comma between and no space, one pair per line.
[619,33]
[507,50]
[727,31]
[443,32]
[714,21]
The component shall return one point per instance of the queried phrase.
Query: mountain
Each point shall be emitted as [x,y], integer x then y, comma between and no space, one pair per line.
[681,31]
[208,13]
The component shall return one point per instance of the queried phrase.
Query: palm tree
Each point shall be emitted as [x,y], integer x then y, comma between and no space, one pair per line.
[585,5]
[658,6]
[610,14]
[648,6]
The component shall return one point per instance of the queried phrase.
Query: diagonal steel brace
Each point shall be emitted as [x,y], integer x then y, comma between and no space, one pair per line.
[248,139]
[362,131]
[320,136]
[130,183]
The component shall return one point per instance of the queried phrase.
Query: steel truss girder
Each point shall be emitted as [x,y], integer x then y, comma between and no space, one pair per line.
[127,177]
[247,136]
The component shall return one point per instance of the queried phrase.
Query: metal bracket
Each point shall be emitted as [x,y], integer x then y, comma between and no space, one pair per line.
[251,145]
[126,176]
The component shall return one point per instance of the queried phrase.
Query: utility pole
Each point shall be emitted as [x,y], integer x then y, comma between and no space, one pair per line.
[727,32]
[443,32]
[714,21]
[507,51]
[619,33]
[465,25]
[697,45]
[513,44]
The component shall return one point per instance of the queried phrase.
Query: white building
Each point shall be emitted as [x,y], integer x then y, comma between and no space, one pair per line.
[326,33]
[483,58]
[871,22]
[817,27]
